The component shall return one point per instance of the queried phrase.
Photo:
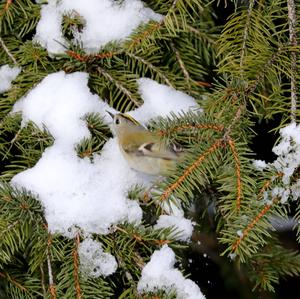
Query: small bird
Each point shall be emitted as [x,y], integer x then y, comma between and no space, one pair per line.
[144,151]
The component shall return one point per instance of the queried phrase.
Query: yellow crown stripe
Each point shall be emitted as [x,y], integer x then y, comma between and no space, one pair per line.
[130,118]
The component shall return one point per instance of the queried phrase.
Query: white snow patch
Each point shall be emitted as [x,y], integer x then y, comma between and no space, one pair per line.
[93,261]
[76,192]
[7,75]
[260,164]
[104,21]
[183,227]
[160,274]
[164,97]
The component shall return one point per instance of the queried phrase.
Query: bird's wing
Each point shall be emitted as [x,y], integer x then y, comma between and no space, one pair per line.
[152,146]
[158,150]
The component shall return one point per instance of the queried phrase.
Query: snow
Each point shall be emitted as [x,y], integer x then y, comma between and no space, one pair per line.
[80,195]
[76,192]
[159,274]
[286,163]
[93,261]
[104,21]
[7,75]
[163,97]
[260,164]
[288,152]
[183,227]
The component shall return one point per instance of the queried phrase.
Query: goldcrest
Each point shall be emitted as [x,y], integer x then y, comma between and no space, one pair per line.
[144,151]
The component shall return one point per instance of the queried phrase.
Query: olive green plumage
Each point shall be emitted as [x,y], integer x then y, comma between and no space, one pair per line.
[144,151]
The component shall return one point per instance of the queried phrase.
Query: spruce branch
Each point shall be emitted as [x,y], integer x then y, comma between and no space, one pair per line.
[6,7]
[151,67]
[76,266]
[43,280]
[245,35]
[170,189]
[7,51]
[264,69]
[238,173]
[13,281]
[87,58]
[191,127]
[50,276]
[293,42]
[119,85]
[254,221]
[182,66]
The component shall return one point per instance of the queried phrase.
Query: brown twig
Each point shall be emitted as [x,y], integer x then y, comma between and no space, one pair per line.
[76,267]
[86,58]
[52,287]
[181,65]
[13,281]
[238,173]
[293,41]
[109,77]
[166,194]
[7,51]
[250,226]
[218,128]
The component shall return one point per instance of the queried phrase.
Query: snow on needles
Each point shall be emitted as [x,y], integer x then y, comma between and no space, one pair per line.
[93,261]
[287,163]
[7,75]
[104,21]
[76,192]
[160,273]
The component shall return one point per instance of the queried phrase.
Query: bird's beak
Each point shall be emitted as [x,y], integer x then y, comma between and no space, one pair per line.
[111,114]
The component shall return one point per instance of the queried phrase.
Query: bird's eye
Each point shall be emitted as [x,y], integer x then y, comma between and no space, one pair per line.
[117,121]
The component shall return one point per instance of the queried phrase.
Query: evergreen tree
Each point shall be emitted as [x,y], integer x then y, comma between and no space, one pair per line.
[242,72]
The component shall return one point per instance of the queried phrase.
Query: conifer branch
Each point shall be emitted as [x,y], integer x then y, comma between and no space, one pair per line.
[293,41]
[119,85]
[245,35]
[144,34]
[43,281]
[238,173]
[264,70]
[218,128]
[50,274]
[13,281]
[76,267]
[267,184]
[152,67]
[250,226]
[200,34]
[168,191]
[7,51]
[86,58]
[6,6]
[182,66]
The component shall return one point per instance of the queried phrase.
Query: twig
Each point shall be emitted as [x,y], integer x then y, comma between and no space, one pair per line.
[246,32]
[50,274]
[43,281]
[151,66]
[7,51]
[237,116]
[76,267]
[13,281]
[250,226]
[293,42]
[118,85]
[182,66]
[265,69]
[238,173]
[166,194]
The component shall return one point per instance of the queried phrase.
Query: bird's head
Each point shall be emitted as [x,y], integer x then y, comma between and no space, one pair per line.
[124,123]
